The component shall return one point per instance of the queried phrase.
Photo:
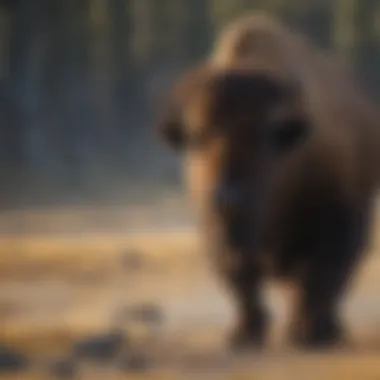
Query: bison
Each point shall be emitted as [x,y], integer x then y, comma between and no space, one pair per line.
[280,147]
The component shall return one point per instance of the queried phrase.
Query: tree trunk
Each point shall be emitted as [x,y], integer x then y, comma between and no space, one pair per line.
[198,29]
[125,74]
[24,70]
[344,32]
[367,56]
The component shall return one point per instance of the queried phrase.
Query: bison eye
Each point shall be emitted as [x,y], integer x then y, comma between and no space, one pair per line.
[287,134]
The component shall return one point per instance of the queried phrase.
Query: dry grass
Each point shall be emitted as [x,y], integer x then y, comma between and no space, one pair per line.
[55,288]
[52,256]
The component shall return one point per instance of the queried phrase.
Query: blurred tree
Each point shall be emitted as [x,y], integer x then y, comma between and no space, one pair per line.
[127,82]
[313,17]
[9,4]
[156,23]
[122,56]
[198,29]
[22,88]
[367,54]
[344,33]
[79,79]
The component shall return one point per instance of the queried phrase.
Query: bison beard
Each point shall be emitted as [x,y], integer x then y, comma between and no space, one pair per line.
[280,150]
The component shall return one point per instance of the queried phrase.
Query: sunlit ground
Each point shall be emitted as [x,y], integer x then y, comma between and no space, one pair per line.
[60,288]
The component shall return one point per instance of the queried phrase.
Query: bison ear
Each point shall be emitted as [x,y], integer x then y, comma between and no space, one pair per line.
[171,131]
[172,134]
[171,126]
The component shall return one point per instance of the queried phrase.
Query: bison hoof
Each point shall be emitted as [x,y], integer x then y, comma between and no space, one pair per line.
[243,338]
[321,335]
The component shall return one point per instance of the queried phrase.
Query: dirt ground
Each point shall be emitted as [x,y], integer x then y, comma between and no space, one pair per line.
[57,289]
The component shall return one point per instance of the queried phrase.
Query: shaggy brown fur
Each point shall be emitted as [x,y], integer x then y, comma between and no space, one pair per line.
[281,150]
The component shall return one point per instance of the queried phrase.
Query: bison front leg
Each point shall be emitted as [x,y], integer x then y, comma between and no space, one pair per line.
[317,323]
[243,282]
[332,264]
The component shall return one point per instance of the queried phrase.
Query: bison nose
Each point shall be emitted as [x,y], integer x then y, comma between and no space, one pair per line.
[228,199]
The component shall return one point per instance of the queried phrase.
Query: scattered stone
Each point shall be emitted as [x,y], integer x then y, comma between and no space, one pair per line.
[132,260]
[148,313]
[11,361]
[100,348]
[134,362]
[64,369]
